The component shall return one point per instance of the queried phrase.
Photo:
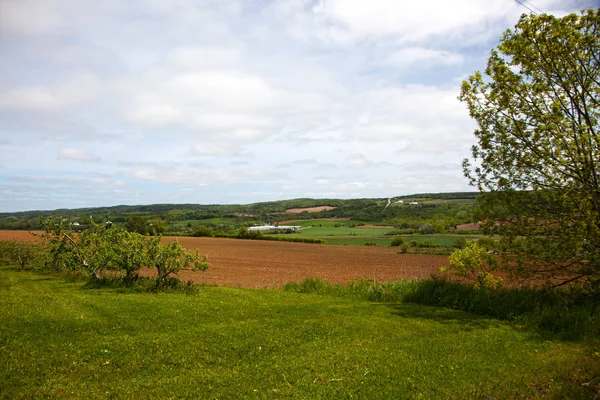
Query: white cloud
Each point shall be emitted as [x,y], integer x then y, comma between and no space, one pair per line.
[214,150]
[31,17]
[203,178]
[193,100]
[78,91]
[195,57]
[72,153]
[408,21]
[419,57]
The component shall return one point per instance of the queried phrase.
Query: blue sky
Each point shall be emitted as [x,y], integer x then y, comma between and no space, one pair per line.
[238,101]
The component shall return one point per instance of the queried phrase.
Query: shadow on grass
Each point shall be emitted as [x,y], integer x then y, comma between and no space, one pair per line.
[466,321]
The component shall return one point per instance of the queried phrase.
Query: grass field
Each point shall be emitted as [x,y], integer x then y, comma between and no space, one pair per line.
[338,232]
[361,236]
[61,339]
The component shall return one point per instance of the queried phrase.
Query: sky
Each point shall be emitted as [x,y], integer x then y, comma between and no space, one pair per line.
[239,101]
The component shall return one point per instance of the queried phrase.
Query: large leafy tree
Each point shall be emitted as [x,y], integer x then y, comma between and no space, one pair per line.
[537,161]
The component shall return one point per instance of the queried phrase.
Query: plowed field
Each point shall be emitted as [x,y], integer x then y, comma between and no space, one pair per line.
[258,264]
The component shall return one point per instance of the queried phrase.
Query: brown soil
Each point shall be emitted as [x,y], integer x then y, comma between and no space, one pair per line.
[258,264]
[24,236]
[466,227]
[308,209]
[291,221]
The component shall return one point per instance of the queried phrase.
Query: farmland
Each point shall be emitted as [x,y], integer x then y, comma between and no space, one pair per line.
[241,336]
[436,212]
[257,264]
[349,233]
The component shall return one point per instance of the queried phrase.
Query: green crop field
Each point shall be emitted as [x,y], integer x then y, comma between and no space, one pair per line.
[317,231]
[342,234]
[62,339]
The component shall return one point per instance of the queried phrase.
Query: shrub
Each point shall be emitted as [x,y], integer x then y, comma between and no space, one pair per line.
[461,243]
[487,243]
[427,244]
[203,231]
[397,241]
[475,264]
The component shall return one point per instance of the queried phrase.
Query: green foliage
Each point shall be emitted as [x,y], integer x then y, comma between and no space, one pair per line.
[474,264]
[138,225]
[538,152]
[397,241]
[156,226]
[24,254]
[105,248]
[171,258]
[203,231]
[461,243]
[245,233]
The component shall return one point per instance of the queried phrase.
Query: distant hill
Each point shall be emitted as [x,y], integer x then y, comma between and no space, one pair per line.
[374,209]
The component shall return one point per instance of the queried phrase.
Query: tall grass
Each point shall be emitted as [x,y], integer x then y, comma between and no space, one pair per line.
[564,313]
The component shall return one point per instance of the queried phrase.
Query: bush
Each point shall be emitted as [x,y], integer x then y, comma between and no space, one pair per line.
[427,244]
[487,243]
[406,231]
[397,241]
[475,264]
[203,231]
[461,243]
[427,229]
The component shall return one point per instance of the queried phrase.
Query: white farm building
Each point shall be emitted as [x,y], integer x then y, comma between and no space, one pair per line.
[275,228]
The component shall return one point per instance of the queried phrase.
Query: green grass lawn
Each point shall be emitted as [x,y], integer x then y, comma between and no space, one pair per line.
[61,339]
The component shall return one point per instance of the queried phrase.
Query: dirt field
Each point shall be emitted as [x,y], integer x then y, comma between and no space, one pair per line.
[465,227]
[258,264]
[18,235]
[308,209]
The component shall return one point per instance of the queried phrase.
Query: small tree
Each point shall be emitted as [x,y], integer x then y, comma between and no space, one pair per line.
[21,253]
[172,258]
[474,264]
[126,251]
[115,249]
[72,251]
